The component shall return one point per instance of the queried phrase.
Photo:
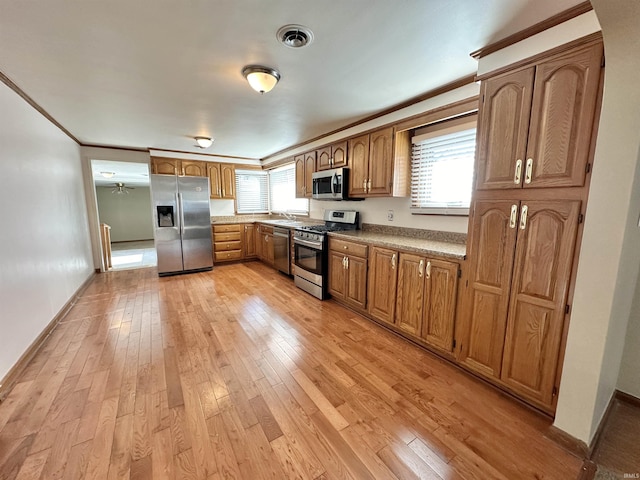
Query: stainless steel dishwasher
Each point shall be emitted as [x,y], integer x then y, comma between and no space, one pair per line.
[282,249]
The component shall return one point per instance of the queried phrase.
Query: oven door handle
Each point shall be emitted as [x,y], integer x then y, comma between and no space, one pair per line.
[315,245]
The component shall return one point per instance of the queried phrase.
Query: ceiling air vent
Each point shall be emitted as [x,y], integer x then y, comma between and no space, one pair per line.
[295,36]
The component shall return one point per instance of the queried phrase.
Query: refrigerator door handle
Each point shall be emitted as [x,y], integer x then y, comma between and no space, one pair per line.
[180,212]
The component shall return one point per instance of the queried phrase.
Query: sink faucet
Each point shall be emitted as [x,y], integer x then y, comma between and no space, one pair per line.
[287,215]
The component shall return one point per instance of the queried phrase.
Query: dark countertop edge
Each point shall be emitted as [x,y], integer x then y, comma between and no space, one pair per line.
[392,242]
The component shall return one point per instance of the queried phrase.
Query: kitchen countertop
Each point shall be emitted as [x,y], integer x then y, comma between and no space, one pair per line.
[450,250]
[276,222]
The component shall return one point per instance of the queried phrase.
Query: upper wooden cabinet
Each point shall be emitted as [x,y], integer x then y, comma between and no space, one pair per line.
[536,123]
[379,164]
[193,168]
[305,166]
[222,180]
[332,156]
[521,254]
[165,166]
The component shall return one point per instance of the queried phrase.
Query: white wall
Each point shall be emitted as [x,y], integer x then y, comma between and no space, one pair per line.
[629,378]
[375,210]
[45,250]
[610,257]
[128,215]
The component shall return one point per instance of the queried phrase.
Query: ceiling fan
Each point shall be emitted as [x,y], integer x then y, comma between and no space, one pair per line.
[120,188]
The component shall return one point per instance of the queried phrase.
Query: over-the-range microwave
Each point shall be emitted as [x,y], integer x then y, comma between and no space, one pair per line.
[331,184]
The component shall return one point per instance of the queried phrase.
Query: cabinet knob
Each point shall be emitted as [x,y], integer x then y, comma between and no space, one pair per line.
[346,248]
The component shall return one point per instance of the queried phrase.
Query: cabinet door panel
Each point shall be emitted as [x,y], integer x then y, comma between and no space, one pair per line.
[564,106]
[228,180]
[492,249]
[382,283]
[357,281]
[381,162]
[440,304]
[269,250]
[544,256]
[339,154]
[504,122]
[165,166]
[309,168]
[337,275]
[249,241]
[193,168]
[409,304]
[300,178]
[215,181]
[323,158]
[359,165]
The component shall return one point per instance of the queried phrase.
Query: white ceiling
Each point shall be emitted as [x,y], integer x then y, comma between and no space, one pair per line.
[148,74]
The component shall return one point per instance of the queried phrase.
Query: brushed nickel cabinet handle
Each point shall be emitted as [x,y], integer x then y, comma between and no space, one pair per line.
[347,260]
[429,269]
[514,216]
[421,268]
[393,261]
[369,186]
[529,171]
[364,185]
[518,174]
[523,217]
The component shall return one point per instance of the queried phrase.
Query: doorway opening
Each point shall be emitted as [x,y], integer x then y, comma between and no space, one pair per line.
[124,213]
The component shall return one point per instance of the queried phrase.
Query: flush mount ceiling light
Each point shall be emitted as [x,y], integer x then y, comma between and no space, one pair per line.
[294,36]
[204,142]
[107,174]
[261,79]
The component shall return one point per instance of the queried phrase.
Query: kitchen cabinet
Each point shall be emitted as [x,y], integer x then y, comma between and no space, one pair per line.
[165,166]
[305,165]
[222,180]
[193,168]
[521,258]
[227,243]
[332,156]
[383,278]
[264,245]
[536,122]
[249,241]
[426,299]
[379,164]
[348,272]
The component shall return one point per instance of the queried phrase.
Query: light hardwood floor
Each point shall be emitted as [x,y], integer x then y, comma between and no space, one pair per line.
[235,373]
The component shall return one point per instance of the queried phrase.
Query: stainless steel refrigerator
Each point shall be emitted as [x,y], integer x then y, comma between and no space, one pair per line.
[182,223]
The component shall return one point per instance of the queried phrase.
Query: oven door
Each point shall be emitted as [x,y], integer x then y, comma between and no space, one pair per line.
[309,256]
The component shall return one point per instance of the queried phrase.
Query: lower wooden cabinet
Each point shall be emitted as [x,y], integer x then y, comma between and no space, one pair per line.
[264,244]
[249,241]
[426,299]
[348,272]
[383,279]
[521,259]
[233,242]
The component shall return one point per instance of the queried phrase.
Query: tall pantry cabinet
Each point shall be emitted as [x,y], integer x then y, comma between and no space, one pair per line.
[533,158]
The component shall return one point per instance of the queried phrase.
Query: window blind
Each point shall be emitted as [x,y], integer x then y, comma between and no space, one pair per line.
[282,191]
[252,191]
[442,170]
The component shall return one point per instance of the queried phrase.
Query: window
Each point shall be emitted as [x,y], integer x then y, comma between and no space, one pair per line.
[442,167]
[258,191]
[282,191]
[252,191]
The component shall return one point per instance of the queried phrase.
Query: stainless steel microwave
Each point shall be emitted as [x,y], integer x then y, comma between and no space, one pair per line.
[331,184]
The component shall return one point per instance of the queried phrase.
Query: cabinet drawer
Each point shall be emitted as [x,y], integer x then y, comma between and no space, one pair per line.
[226,237]
[227,228]
[356,249]
[227,246]
[227,256]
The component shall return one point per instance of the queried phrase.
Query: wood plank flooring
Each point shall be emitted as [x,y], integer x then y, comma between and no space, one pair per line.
[235,373]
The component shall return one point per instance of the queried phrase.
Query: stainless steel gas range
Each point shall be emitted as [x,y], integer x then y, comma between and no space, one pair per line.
[311,250]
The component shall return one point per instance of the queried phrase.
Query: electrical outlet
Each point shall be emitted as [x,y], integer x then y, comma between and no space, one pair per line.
[390,215]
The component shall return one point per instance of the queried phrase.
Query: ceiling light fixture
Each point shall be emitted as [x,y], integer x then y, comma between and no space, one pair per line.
[261,79]
[107,174]
[204,142]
